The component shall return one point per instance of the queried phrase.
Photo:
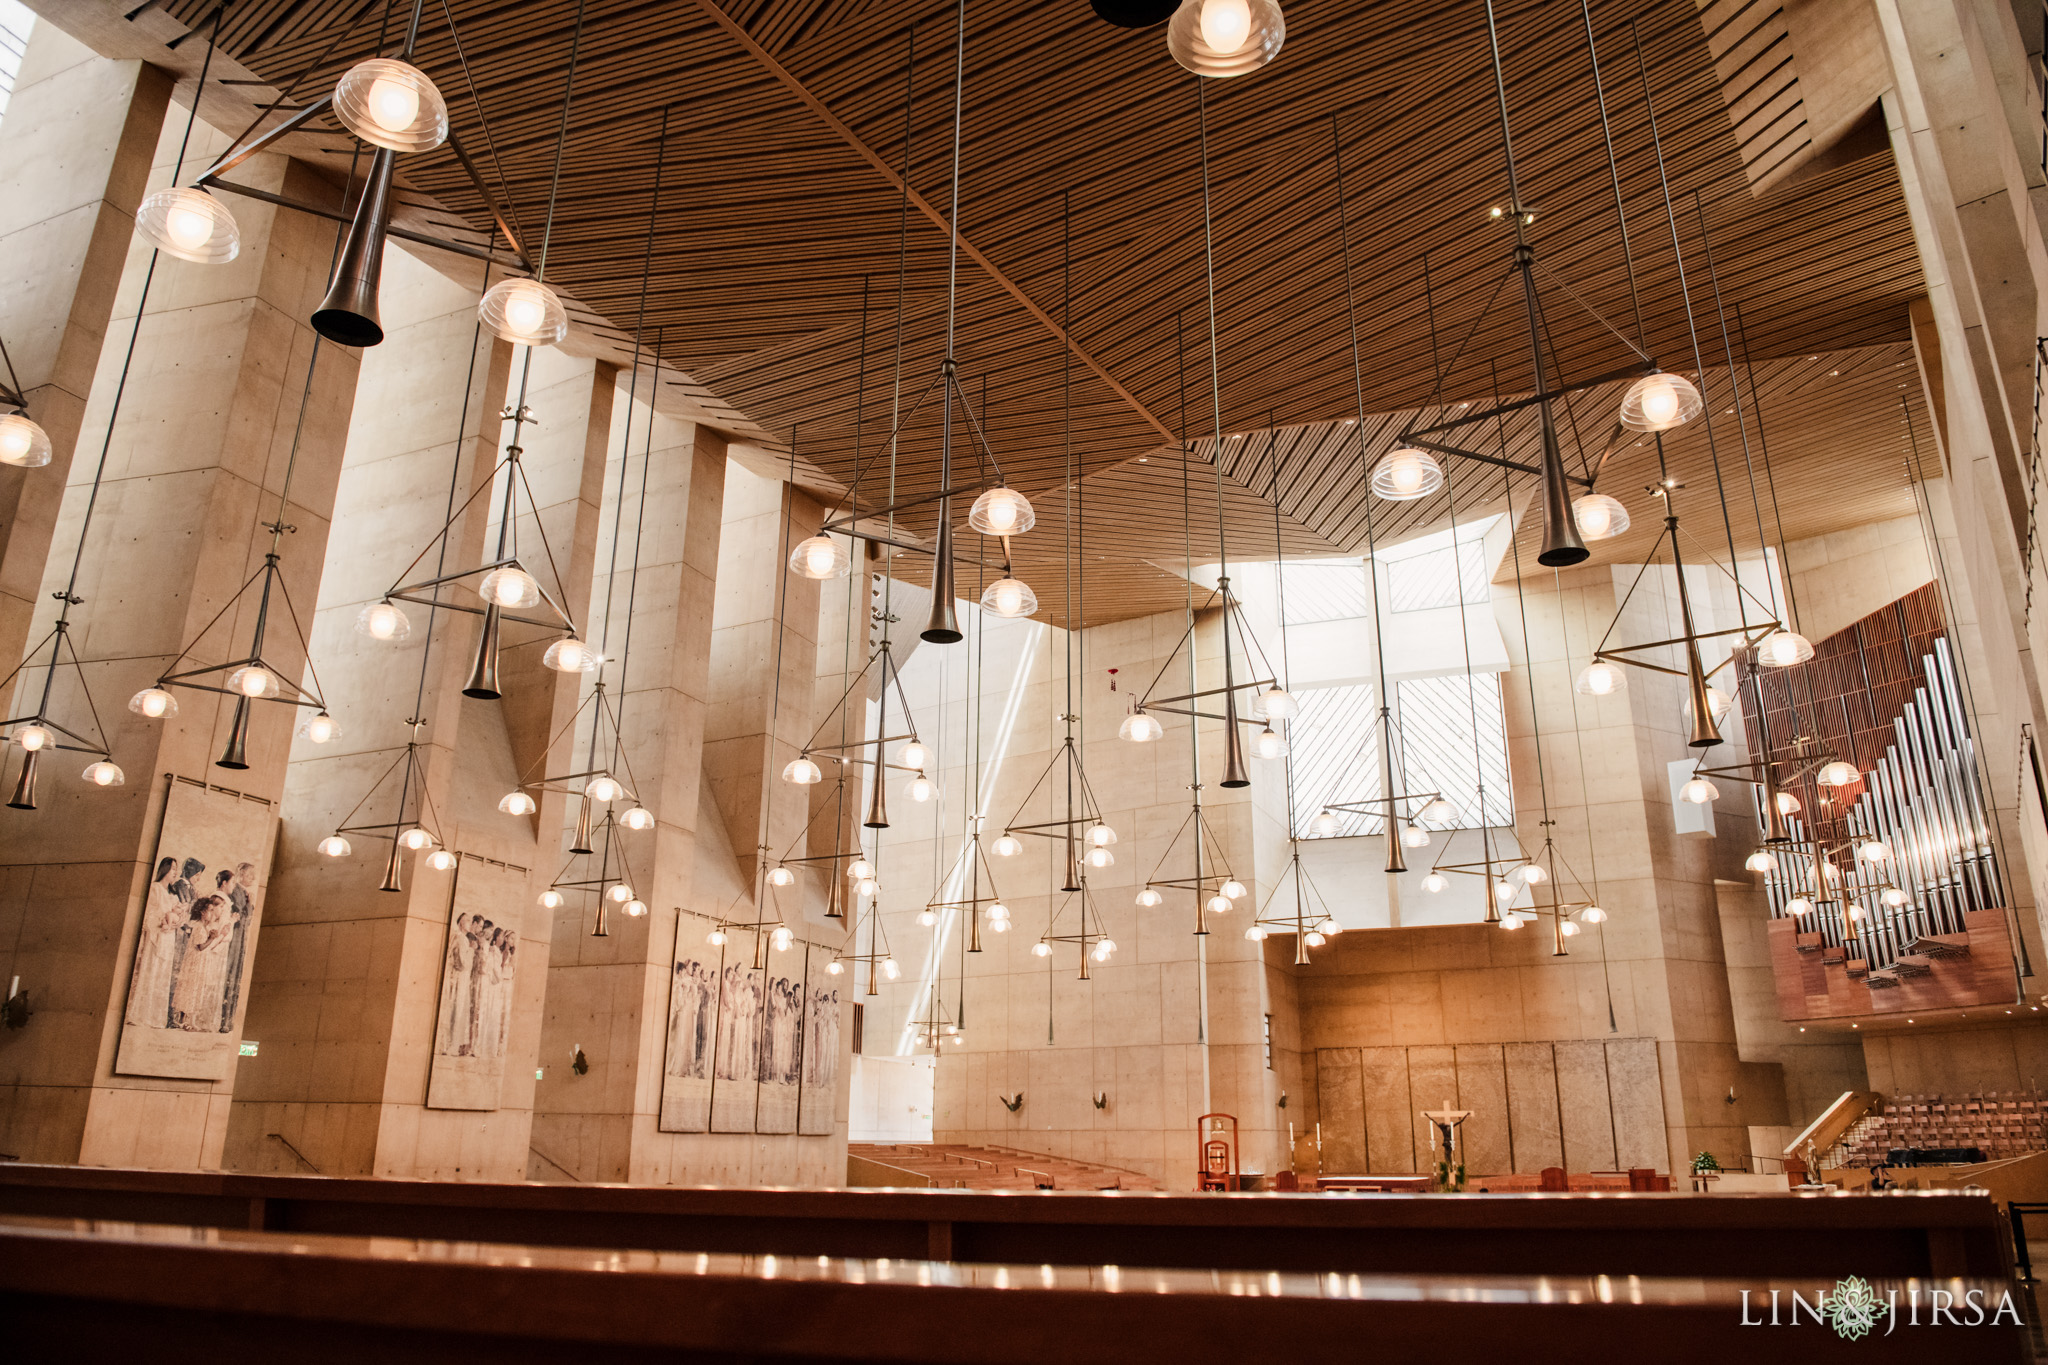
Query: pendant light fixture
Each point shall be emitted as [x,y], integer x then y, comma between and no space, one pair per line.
[23,443]
[998,511]
[251,677]
[189,223]
[1224,38]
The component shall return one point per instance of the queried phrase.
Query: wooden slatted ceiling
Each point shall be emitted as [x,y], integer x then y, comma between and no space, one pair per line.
[773,226]
[1759,78]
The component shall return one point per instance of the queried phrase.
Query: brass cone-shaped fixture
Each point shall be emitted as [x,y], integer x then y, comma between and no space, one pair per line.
[1234,774]
[1492,896]
[603,927]
[973,928]
[236,755]
[581,844]
[942,627]
[1705,734]
[835,895]
[393,881]
[348,314]
[1300,944]
[1395,861]
[1775,831]
[1557,934]
[24,797]
[1562,546]
[483,674]
[878,794]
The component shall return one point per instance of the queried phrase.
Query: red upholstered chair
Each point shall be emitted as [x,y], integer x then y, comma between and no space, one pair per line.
[1554,1180]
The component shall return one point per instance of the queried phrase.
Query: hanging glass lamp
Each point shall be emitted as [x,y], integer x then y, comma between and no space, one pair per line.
[1002,512]
[189,224]
[389,103]
[1599,516]
[820,556]
[524,312]
[1224,38]
[1009,598]
[1783,648]
[1405,474]
[23,444]
[1659,402]
[1601,679]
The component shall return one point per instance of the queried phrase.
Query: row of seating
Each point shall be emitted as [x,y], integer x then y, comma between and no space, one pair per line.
[2000,1124]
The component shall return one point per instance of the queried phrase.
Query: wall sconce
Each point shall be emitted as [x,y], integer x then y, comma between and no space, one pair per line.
[15,1012]
[1283,1099]
[1012,1102]
[579,1063]
[1102,1099]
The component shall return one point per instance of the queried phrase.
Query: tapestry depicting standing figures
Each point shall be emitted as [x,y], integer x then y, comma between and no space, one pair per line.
[479,970]
[692,1030]
[782,1040]
[200,909]
[736,1056]
[818,1108]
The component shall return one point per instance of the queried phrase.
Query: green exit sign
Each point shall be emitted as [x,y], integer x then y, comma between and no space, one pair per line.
[248,1049]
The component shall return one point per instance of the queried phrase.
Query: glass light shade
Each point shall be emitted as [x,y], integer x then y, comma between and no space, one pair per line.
[636,908]
[1101,836]
[1100,857]
[1601,679]
[802,771]
[1256,933]
[1008,847]
[253,680]
[1533,873]
[23,444]
[1412,837]
[416,839]
[1760,861]
[1504,891]
[440,860]
[1224,38]
[1149,898]
[1838,774]
[334,846]
[835,967]
[1783,648]
[716,938]
[1593,914]
[1439,811]
[518,803]
[913,755]
[859,868]
[1568,929]
[890,969]
[1893,896]
[781,939]
[1873,850]
[551,899]
[1830,871]
[153,703]
[820,556]
[571,655]
[1788,804]
[927,917]
[1798,905]
[920,788]
[189,224]
[1659,402]
[32,737]
[104,773]
[999,926]
[1140,727]
[388,103]
[1599,516]
[1510,921]
[603,787]
[1268,744]
[1002,512]
[1856,910]
[1699,791]
[637,817]
[1330,927]
[1434,883]
[1009,598]
[1232,888]
[509,586]
[524,312]
[1219,905]
[1041,949]
[1324,825]
[1101,954]
[866,886]
[1275,703]
[781,876]
[619,892]
[383,621]
[1404,474]
[319,728]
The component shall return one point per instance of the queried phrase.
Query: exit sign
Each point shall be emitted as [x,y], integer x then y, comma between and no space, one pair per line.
[248,1049]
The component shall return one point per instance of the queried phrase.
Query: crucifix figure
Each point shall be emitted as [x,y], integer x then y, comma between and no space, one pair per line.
[1449,1169]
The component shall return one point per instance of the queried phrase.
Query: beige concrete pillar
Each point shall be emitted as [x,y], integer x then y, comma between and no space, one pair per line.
[608,996]
[196,465]
[757,723]
[75,153]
